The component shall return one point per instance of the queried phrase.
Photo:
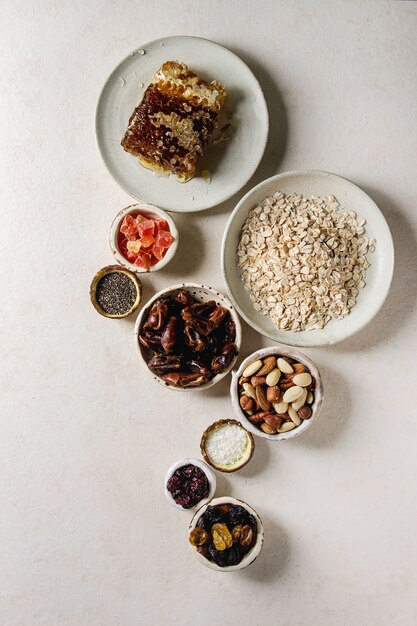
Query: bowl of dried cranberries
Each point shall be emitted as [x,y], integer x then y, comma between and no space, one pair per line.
[143,237]
[189,483]
[226,534]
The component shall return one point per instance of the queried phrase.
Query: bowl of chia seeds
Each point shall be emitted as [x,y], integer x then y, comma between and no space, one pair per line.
[115,292]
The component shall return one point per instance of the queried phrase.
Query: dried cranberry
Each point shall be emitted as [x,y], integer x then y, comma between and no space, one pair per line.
[173,484]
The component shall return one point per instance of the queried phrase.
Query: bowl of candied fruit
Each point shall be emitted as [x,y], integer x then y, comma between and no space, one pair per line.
[143,237]
[226,534]
[188,336]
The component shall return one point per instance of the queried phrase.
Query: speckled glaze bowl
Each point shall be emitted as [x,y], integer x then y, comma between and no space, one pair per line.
[253,552]
[108,270]
[282,350]
[203,294]
[148,210]
[211,477]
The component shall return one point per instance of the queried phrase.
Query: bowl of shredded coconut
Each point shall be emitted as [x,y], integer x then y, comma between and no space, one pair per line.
[307,258]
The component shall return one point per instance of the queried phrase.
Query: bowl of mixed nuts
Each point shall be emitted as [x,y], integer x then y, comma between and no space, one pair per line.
[188,336]
[277,392]
[226,534]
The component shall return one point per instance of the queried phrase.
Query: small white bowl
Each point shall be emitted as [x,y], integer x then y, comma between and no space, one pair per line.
[147,210]
[278,349]
[250,556]
[204,294]
[210,477]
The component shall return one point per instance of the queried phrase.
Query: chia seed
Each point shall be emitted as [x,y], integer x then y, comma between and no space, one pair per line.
[116,293]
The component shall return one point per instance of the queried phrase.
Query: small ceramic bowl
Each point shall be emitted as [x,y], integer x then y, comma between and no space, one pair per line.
[253,552]
[109,269]
[238,464]
[203,294]
[210,477]
[281,350]
[148,210]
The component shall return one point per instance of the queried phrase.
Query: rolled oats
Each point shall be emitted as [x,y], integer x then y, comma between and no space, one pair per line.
[303,260]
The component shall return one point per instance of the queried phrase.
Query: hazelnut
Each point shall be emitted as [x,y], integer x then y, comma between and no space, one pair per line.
[304,413]
[246,403]
[273,394]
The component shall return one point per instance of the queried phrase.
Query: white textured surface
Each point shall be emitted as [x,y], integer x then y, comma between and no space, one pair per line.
[86,536]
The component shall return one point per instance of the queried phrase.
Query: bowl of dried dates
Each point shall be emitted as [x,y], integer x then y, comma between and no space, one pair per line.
[189,483]
[188,336]
[226,534]
[277,392]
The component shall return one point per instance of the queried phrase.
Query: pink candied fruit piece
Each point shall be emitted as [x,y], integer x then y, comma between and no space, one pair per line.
[129,227]
[164,239]
[161,224]
[147,240]
[158,252]
[146,227]
[134,246]
[143,260]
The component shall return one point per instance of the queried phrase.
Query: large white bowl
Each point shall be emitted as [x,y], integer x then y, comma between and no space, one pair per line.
[250,556]
[378,275]
[203,294]
[278,350]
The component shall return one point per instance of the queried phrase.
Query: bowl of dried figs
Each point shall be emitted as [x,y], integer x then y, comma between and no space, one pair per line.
[188,337]
[277,392]
[226,534]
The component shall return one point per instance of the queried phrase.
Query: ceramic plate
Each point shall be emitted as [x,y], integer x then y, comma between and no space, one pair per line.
[231,162]
[378,275]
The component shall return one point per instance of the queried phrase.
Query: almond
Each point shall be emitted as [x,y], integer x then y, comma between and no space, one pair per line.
[249,390]
[292,394]
[261,398]
[268,429]
[285,427]
[284,366]
[303,379]
[252,368]
[298,368]
[273,377]
[269,364]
